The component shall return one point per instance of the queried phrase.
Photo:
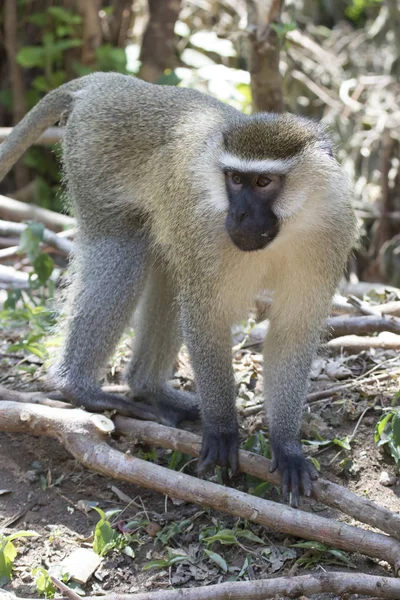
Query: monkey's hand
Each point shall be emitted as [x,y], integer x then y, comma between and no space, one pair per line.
[219,449]
[296,471]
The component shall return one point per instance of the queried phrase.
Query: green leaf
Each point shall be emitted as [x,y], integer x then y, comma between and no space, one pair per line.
[225,536]
[217,559]
[22,534]
[40,19]
[8,553]
[343,443]
[43,582]
[43,266]
[64,16]
[381,425]
[104,535]
[315,462]
[31,56]
[396,429]
[249,535]
[262,489]
[311,546]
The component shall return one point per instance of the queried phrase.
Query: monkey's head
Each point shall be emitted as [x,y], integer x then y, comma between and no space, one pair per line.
[260,161]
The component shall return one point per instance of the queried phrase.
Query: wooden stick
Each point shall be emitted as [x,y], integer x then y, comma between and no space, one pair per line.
[324,491]
[83,435]
[340,326]
[356,344]
[15,210]
[290,587]
[339,584]
[49,237]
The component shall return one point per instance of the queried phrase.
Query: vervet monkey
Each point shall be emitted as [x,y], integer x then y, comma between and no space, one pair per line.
[191,207]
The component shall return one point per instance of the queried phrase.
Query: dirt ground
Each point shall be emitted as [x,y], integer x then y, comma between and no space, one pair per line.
[42,488]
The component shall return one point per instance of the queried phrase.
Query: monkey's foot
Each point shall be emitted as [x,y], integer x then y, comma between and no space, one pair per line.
[95,400]
[171,406]
[219,449]
[296,471]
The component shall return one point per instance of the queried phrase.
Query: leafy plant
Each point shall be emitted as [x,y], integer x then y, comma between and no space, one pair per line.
[318,553]
[387,433]
[8,553]
[106,538]
[43,582]
[162,563]
[42,263]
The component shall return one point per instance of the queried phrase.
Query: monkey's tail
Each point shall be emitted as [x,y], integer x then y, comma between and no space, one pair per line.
[46,112]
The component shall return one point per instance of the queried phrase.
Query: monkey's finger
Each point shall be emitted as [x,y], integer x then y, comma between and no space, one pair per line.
[225,475]
[295,488]
[286,486]
[306,482]
[313,472]
[274,465]
[234,460]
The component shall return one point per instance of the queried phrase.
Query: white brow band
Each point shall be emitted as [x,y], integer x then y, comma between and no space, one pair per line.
[269,165]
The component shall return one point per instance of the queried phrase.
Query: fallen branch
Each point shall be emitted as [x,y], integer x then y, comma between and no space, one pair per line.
[6,394]
[49,237]
[364,287]
[291,587]
[14,210]
[316,583]
[83,435]
[11,278]
[340,326]
[355,343]
[324,491]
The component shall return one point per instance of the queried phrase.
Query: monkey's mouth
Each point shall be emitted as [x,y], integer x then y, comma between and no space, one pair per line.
[251,241]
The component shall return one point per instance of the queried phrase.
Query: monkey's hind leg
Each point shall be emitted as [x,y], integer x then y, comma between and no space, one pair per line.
[109,278]
[157,342]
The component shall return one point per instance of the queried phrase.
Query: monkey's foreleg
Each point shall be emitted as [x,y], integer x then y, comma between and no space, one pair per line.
[208,336]
[298,310]
[109,278]
[156,344]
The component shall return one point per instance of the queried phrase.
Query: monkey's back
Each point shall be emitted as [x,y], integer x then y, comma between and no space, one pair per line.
[121,132]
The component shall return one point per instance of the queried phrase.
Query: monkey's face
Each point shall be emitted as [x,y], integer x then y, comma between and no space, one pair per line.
[251,222]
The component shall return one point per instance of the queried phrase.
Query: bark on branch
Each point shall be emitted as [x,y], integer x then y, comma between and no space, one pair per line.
[14,210]
[83,435]
[261,589]
[49,237]
[324,491]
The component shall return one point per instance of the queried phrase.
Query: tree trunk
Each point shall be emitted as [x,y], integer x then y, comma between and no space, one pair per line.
[263,55]
[158,45]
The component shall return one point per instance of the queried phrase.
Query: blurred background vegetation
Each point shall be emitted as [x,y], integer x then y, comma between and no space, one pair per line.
[335,60]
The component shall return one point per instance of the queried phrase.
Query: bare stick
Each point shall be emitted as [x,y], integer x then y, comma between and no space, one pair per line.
[10,277]
[363,325]
[288,587]
[49,237]
[31,397]
[50,136]
[83,435]
[355,343]
[324,491]
[14,210]
[339,584]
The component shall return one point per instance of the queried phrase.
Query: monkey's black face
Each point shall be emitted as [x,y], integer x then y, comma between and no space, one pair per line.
[251,222]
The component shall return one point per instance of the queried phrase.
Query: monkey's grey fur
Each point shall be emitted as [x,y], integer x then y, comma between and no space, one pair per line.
[144,167]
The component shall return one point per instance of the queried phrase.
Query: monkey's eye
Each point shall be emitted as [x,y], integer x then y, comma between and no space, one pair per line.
[263,181]
[237,180]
